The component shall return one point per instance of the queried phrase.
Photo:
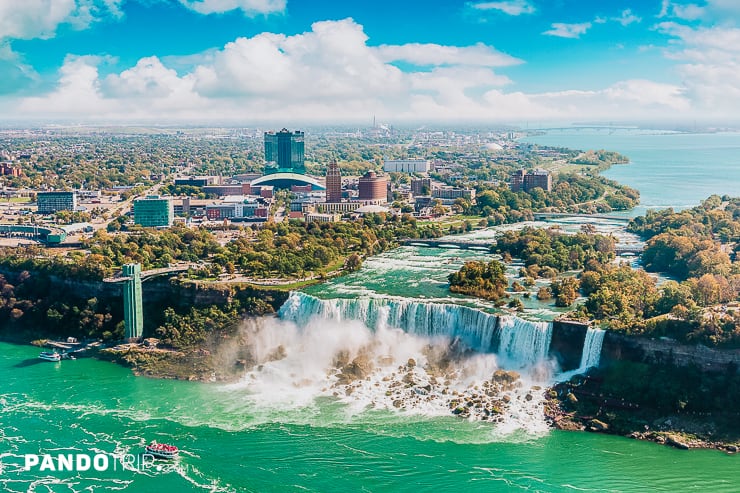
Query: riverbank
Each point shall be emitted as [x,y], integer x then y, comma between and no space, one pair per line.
[588,403]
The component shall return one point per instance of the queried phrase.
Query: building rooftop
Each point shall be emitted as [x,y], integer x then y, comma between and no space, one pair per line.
[371,209]
[286,179]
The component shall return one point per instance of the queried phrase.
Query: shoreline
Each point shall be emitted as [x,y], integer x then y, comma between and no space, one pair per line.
[564,411]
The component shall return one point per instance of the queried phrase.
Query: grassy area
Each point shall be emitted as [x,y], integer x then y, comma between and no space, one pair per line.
[452,221]
[561,166]
[336,265]
[17,200]
[295,285]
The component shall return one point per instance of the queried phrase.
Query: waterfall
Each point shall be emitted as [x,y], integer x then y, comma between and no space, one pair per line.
[591,349]
[522,342]
[518,341]
[474,327]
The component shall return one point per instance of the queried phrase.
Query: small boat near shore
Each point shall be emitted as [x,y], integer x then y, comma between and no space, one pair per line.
[162,450]
[50,356]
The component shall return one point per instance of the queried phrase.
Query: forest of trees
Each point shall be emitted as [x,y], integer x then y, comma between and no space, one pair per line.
[600,157]
[549,248]
[570,193]
[697,247]
[288,249]
[30,305]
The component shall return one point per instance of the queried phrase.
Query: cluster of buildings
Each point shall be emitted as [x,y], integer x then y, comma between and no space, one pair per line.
[7,166]
[249,196]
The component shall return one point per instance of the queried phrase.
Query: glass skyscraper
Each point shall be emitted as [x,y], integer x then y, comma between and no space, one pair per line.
[284,151]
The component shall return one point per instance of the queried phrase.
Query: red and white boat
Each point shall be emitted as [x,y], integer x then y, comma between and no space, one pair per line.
[162,450]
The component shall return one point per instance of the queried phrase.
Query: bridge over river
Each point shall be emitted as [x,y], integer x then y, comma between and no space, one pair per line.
[461,245]
[485,246]
[563,215]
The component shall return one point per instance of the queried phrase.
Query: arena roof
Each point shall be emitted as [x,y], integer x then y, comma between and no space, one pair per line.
[286,180]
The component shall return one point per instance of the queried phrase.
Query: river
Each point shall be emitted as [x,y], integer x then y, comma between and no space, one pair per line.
[294,424]
[233,444]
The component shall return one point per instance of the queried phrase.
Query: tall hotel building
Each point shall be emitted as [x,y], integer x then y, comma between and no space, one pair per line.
[284,152]
[333,183]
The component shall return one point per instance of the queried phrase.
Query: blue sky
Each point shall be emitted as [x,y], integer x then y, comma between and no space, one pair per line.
[247,61]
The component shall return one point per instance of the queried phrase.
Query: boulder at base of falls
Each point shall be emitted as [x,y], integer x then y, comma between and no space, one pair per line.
[675,441]
[506,380]
[358,369]
[597,425]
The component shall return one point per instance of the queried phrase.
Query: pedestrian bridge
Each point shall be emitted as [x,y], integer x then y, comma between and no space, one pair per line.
[485,246]
[451,244]
[562,215]
[149,274]
[627,249]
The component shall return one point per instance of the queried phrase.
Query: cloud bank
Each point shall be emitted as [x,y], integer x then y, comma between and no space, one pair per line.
[331,73]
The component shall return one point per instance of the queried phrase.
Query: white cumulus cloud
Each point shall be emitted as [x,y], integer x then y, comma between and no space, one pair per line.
[510,7]
[563,30]
[709,64]
[435,54]
[249,7]
[689,12]
[331,74]
[627,17]
[28,19]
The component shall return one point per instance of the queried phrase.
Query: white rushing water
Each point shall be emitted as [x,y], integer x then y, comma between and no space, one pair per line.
[521,343]
[591,354]
[400,356]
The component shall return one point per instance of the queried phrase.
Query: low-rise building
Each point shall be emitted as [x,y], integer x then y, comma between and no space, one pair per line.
[406,166]
[227,190]
[197,181]
[190,207]
[449,194]
[235,208]
[318,217]
[50,202]
[8,169]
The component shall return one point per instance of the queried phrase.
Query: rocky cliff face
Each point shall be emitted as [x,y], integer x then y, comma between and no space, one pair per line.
[161,292]
[568,338]
[567,341]
[620,347]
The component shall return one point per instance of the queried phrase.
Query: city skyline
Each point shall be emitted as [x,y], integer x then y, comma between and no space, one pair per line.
[251,61]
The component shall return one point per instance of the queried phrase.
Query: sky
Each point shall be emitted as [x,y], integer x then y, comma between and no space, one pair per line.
[248,61]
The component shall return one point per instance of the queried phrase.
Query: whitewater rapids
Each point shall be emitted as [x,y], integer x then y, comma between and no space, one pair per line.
[399,356]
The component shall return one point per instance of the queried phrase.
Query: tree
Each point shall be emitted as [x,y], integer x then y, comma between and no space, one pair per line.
[544,293]
[565,291]
[353,263]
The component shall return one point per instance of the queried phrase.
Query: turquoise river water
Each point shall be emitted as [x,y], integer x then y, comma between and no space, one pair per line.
[295,423]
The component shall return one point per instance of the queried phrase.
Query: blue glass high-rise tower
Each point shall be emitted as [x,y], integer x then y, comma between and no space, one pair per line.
[284,152]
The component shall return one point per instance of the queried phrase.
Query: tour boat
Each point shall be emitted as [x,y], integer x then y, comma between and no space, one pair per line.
[162,450]
[50,356]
